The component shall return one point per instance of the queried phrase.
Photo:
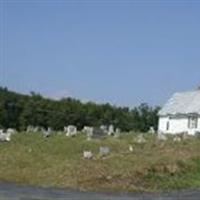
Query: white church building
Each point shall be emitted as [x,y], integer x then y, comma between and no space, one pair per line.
[181,114]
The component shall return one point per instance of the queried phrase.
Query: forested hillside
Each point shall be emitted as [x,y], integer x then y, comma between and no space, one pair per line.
[18,111]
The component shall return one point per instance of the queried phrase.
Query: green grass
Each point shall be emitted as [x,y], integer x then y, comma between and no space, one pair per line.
[57,162]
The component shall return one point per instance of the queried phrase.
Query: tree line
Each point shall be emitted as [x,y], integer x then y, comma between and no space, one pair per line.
[19,111]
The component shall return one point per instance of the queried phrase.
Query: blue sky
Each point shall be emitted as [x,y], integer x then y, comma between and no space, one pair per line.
[122,52]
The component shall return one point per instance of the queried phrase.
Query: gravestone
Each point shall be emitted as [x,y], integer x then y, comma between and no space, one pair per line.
[104,151]
[117,133]
[177,138]
[46,133]
[71,131]
[140,139]
[5,137]
[130,148]
[87,155]
[11,131]
[29,129]
[97,133]
[111,130]
[152,130]
[104,128]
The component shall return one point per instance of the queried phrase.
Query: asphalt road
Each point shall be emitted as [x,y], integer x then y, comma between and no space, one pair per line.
[14,192]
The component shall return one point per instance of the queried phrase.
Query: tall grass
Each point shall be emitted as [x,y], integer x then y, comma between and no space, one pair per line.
[57,161]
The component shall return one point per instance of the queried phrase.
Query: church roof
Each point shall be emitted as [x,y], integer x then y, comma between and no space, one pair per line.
[182,103]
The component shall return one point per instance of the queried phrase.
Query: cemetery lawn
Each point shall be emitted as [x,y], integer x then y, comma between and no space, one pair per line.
[57,162]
